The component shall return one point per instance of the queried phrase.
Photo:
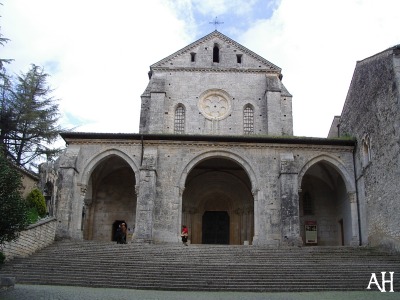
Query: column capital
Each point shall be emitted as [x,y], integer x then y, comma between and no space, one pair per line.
[352,196]
[83,190]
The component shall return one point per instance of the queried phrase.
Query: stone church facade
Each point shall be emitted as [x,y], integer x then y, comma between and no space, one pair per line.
[215,151]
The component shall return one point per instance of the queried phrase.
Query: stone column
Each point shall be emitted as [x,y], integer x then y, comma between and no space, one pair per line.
[290,214]
[83,201]
[69,201]
[257,216]
[241,226]
[249,222]
[355,239]
[146,197]
[189,223]
[267,225]
[65,200]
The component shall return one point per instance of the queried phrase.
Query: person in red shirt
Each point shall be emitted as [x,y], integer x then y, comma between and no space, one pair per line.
[184,234]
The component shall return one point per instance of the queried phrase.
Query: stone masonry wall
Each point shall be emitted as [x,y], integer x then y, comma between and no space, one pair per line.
[272,111]
[372,113]
[36,237]
[214,93]
[262,160]
[160,191]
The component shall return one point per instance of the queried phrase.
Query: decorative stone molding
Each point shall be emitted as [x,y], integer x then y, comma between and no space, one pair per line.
[137,189]
[83,190]
[181,190]
[352,197]
[149,162]
[215,104]
[254,191]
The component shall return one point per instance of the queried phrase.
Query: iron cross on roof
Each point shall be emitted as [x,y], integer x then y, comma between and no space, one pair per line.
[216,23]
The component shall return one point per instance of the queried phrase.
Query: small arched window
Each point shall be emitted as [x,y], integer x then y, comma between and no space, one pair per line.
[366,150]
[248,120]
[179,123]
[216,53]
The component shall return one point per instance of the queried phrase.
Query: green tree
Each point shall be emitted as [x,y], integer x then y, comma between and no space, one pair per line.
[28,117]
[3,61]
[5,87]
[13,208]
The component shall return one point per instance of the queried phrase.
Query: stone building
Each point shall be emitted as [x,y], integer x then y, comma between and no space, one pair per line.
[371,114]
[216,152]
[29,180]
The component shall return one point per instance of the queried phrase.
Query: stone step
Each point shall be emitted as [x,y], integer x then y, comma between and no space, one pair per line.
[206,267]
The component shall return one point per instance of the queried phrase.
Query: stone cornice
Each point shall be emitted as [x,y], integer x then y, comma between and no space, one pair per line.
[324,148]
[215,70]
[121,139]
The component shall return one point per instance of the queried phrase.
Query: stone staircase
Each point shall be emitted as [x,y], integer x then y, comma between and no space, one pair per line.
[203,267]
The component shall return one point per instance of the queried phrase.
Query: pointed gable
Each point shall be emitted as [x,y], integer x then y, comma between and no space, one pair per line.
[216,51]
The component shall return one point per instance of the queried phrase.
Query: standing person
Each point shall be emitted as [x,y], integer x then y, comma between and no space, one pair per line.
[184,234]
[124,232]
[121,233]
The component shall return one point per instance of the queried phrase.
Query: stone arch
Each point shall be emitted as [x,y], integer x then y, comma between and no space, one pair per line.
[336,164]
[215,183]
[332,204]
[108,194]
[222,154]
[97,159]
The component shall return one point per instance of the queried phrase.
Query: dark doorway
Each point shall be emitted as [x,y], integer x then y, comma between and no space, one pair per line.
[341,231]
[115,226]
[215,227]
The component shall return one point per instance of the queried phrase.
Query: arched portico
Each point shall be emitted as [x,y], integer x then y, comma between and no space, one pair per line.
[109,195]
[217,200]
[327,199]
[97,159]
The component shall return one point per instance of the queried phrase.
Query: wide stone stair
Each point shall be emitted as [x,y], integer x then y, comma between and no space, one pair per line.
[204,267]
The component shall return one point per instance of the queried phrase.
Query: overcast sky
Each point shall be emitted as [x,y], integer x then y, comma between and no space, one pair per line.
[98,52]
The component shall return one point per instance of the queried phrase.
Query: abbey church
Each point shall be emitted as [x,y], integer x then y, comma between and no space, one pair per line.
[216,152]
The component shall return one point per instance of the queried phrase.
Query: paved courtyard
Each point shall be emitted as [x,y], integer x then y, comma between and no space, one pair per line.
[45,292]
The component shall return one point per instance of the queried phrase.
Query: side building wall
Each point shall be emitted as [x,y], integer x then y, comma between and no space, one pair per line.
[371,114]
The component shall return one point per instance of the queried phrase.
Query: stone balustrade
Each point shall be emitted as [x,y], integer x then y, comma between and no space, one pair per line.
[34,238]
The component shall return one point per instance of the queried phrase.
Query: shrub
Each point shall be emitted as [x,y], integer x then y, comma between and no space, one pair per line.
[33,215]
[36,200]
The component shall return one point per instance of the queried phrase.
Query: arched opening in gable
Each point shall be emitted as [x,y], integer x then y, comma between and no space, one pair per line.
[324,203]
[217,203]
[216,53]
[110,199]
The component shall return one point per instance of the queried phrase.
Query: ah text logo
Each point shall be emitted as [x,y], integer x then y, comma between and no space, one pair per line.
[382,288]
